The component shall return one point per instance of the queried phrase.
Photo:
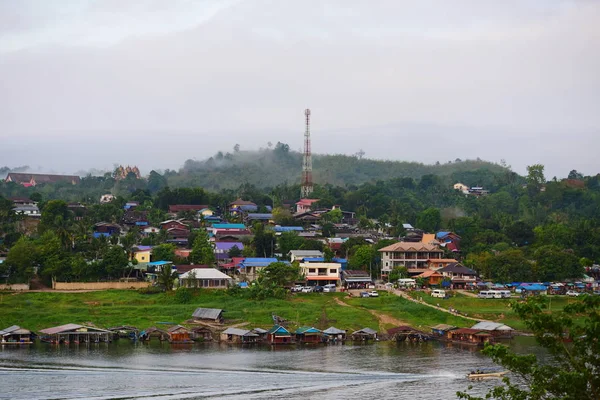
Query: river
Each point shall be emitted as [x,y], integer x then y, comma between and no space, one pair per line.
[127,370]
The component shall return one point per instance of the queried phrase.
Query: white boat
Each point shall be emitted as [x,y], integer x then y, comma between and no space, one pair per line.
[482,375]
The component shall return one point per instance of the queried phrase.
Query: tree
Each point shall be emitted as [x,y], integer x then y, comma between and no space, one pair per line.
[363,257]
[555,264]
[328,254]
[283,217]
[334,216]
[166,278]
[535,176]
[263,241]
[115,262]
[429,220]
[202,251]
[571,340]
[289,241]
[574,174]
[20,261]
[164,252]
[328,230]
[234,252]
[397,273]
[312,244]
[279,274]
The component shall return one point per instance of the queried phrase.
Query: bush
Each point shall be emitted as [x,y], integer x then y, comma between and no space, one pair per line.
[183,296]
[150,290]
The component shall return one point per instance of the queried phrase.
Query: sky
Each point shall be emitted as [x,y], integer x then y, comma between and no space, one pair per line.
[93,83]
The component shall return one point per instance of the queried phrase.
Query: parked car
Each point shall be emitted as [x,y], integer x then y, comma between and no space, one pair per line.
[318,289]
[438,293]
[329,288]
[373,293]
[307,289]
[297,288]
[364,294]
[573,293]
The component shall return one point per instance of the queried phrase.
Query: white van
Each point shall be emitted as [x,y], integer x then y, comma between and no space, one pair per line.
[406,282]
[484,295]
[505,294]
[438,293]
[329,288]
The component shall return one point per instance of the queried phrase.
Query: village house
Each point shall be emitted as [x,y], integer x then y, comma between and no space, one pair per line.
[305,205]
[106,198]
[25,207]
[441,330]
[208,314]
[209,278]
[177,208]
[299,255]
[28,180]
[16,335]
[265,218]
[333,334]
[251,266]
[321,273]
[222,250]
[202,334]
[174,224]
[356,279]
[235,335]
[232,235]
[495,329]
[306,334]
[150,229]
[433,278]
[179,334]
[135,218]
[106,229]
[469,336]
[74,333]
[449,240]
[364,334]
[240,206]
[142,253]
[413,256]
[279,335]
[437,263]
[459,275]
[461,187]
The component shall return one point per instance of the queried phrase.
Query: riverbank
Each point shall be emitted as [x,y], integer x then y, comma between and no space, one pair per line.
[122,307]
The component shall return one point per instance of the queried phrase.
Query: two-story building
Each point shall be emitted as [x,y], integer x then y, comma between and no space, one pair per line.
[321,273]
[459,275]
[413,256]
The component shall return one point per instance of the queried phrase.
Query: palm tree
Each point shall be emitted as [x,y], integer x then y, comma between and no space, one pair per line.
[166,277]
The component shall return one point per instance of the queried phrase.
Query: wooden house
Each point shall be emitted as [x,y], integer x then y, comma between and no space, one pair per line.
[279,335]
[469,336]
[405,333]
[441,330]
[16,335]
[154,332]
[208,314]
[179,334]
[262,333]
[495,329]
[333,334]
[201,334]
[364,334]
[73,333]
[235,335]
[306,334]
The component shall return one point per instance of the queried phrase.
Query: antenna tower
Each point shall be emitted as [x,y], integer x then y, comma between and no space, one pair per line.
[307,184]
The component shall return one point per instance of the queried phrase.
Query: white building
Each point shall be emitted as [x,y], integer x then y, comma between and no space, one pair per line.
[210,278]
[321,273]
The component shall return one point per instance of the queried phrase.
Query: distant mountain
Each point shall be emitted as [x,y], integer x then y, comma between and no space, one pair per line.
[268,168]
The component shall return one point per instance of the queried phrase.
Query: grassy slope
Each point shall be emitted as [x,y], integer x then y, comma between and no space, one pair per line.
[110,308]
[490,309]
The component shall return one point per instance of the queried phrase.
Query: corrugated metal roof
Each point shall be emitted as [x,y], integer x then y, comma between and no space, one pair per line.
[368,331]
[259,330]
[443,327]
[176,328]
[70,327]
[14,330]
[207,313]
[239,332]
[491,326]
[307,329]
[205,273]
[333,331]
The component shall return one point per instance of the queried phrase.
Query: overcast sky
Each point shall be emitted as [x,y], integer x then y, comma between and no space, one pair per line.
[87,84]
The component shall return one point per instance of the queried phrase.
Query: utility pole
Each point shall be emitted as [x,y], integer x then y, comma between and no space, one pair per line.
[307,184]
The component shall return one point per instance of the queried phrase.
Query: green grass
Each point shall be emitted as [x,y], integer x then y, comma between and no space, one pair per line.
[490,309]
[416,315]
[120,307]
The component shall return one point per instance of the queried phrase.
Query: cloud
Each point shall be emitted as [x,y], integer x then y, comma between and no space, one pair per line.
[515,79]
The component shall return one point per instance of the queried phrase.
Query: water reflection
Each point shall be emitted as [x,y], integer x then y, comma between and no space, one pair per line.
[161,371]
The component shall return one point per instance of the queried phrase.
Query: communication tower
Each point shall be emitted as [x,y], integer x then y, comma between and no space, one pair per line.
[307,184]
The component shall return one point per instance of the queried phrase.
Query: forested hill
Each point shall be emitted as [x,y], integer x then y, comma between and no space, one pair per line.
[268,168]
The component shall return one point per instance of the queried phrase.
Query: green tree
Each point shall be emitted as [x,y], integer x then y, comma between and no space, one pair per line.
[166,278]
[279,274]
[328,255]
[283,217]
[429,220]
[20,261]
[289,241]
[334,216]
[535,176]
[363,257]
[263,241]
[234,252]
[397,273]
[555,264]
[164,252]
[571,340]
[115,262]
[202,251]
[312,244]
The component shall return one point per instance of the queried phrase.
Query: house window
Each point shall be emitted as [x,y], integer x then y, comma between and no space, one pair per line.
[311,270]
[143,258]
[333,271]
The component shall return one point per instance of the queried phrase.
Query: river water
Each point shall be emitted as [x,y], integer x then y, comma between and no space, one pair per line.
[127,370]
